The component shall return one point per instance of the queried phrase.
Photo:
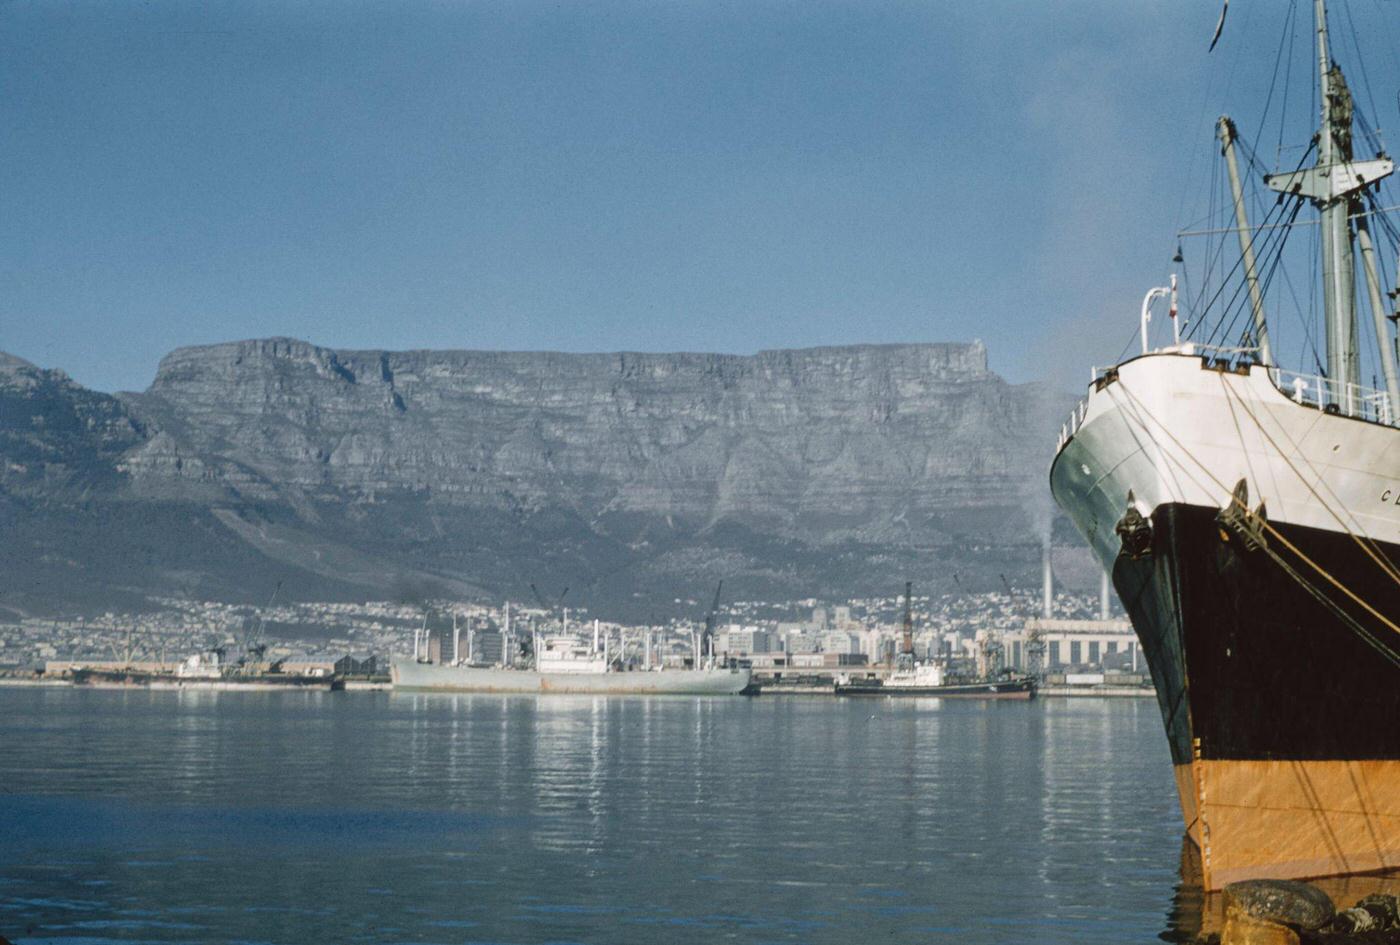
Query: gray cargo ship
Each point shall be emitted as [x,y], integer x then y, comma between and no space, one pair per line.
[202,671]
[564,664]
[408,674]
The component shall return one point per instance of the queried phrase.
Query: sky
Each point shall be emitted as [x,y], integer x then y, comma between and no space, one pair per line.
[601,176]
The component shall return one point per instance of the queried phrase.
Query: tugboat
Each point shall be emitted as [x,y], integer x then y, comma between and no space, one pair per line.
[1250,517]
[928,681]
[928,678]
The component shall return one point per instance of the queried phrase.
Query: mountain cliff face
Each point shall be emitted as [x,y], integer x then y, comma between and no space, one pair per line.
[57,438]
[635,478]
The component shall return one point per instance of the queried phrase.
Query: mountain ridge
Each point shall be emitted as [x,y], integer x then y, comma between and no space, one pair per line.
[791,472]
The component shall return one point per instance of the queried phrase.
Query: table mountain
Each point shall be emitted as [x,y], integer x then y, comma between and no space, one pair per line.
[634,478]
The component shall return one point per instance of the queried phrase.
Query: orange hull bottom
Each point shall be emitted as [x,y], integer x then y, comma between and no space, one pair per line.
[1291,819]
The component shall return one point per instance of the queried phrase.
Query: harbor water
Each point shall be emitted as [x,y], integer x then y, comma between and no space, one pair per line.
[292,817]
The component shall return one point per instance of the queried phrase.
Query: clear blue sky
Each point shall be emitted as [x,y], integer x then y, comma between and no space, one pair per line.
[601,176]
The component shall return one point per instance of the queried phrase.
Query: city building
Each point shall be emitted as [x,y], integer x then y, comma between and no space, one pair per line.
[743,641]
[1076,644]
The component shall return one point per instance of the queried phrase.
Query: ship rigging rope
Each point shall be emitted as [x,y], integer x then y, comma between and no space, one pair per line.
[1367,636]
[1291,27]
[1347,619]
[1279,60]
[1268,526]
[1364,541]
[1270,252]
[1372,135]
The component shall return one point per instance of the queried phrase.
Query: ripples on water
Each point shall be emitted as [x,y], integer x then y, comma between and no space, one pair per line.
[374,817]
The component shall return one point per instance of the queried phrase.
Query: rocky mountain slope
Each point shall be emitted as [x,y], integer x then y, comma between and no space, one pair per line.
[634,478]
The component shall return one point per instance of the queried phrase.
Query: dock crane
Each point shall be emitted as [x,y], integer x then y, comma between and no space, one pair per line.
[905,660]
[253,646]
[1035,644]
[707,639]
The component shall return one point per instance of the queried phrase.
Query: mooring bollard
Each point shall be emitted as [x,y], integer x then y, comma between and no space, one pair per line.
[1273,911]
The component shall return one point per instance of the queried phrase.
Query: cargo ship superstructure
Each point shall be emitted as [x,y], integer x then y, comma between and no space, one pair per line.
[1250,518]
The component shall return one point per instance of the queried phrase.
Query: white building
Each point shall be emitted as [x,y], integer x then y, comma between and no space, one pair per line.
[798,641]
[742,641]
[839,641]
[1105,644]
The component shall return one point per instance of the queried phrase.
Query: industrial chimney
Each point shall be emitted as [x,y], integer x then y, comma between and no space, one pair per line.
[1048,587]
[906,647]
[1104,609]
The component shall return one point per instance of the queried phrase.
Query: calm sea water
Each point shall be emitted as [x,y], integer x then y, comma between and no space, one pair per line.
[378,817]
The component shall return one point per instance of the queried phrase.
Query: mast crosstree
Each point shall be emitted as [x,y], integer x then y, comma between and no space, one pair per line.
[1335,184]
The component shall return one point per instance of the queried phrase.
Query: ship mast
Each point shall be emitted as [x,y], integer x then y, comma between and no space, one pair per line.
[1378,313]
[1226,130]
[1338,265]
[1334,185]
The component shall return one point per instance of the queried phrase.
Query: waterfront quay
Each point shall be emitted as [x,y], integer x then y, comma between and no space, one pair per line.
[792,647]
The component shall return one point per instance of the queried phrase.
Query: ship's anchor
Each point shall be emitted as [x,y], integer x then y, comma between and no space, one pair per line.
[1135,531]
[1236,518]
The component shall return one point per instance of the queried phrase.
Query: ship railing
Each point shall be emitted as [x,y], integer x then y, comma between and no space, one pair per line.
[1071,426]
[1350,400]
[1313,390]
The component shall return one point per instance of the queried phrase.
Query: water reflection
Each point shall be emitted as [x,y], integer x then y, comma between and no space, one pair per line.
[1196,915]
[371,816]
[1193,914]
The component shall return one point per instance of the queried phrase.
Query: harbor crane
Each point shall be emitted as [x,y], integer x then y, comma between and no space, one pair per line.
[1035,644]
[253,646]
[905,659]
[707,639]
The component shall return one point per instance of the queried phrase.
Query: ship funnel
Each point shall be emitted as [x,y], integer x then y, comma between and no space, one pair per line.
[1048,585]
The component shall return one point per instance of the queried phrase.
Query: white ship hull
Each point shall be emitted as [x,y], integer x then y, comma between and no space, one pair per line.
[411,675]
[1172,430]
